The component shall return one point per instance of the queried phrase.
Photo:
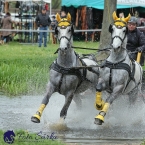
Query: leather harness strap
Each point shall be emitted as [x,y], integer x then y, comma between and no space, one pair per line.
[120,65]
[70,71]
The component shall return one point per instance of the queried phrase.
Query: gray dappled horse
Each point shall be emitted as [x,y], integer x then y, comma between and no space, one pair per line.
[119,75]
[65,78]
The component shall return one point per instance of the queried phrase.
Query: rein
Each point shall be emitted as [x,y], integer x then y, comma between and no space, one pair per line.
[105,49]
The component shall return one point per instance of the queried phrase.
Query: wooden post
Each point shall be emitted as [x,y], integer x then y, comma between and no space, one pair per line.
[6,7]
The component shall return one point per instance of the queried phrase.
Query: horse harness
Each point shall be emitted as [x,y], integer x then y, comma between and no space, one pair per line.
[120,65]
[70,71]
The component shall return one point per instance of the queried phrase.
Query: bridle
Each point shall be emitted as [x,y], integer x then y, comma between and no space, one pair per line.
[68,39]
[63,24]
[122,39]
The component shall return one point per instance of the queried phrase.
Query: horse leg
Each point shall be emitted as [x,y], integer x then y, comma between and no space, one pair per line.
[136,93]
[36,118]
[133,96]
[99,119]
[140,92]
[68,99]
[78,101]
[99,103]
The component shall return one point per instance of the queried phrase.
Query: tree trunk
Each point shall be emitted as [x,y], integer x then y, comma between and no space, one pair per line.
[105,39]
[6,7]
[56,4]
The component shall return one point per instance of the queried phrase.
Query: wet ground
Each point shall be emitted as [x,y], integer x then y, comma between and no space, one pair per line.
[124,123]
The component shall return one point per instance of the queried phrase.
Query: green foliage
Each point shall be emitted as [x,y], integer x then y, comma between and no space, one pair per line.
[143,142]
[56,4]
[24,69]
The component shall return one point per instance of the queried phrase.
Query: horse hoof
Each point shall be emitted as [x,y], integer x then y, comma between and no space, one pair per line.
[98,121]
[35,120]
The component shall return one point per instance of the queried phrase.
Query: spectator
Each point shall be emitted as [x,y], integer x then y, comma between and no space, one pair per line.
[142,21]
[47,7]
[53,25]
[136,14]
[1,3]
[2,6]
[121,15]
[17,5]
[43,21]
[136,39]
[63,14]
[6,24]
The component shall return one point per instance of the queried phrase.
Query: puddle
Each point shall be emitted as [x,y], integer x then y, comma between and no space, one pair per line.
[123,123]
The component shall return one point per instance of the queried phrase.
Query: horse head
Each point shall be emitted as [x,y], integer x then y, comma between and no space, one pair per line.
[64,30]
[118,31]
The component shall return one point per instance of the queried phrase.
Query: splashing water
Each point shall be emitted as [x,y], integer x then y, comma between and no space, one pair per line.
[122,120]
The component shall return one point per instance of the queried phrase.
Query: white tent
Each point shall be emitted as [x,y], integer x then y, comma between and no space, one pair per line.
[99,4]
[131,2]
[47,1]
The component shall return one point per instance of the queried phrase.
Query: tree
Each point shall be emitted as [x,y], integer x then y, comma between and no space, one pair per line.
[109,8]
[6,7]
[56,4]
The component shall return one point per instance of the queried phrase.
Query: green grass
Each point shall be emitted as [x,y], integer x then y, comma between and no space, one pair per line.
[25,138]
[143,142]
[24,69]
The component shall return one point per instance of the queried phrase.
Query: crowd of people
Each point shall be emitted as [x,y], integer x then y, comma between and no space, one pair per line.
[43,21]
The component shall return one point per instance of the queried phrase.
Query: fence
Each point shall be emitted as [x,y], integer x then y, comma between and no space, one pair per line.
[31,36]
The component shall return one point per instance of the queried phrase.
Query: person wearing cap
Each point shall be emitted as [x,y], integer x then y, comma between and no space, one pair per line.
[53,25]
[43,22]
[135,40]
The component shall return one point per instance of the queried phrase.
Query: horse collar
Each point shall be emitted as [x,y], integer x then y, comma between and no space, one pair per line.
[119,65]
[70,71]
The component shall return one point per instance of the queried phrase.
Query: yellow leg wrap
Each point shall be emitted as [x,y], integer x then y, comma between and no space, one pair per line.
[138,57]
[103,111]
[99,103]
[39,112]
[106,107]
[100,117]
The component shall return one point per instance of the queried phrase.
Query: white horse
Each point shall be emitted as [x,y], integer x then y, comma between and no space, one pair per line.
[65,77]
[119,75]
